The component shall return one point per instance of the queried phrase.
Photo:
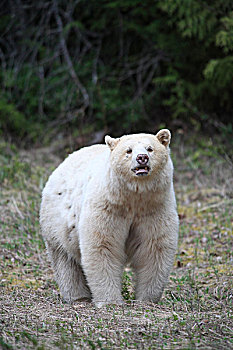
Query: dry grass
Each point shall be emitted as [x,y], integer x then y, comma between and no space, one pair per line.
[196,309]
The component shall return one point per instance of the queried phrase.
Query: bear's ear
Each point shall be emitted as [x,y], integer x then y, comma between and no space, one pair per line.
[111,142]
[164,137]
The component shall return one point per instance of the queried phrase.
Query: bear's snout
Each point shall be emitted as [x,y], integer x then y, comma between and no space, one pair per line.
[142,159]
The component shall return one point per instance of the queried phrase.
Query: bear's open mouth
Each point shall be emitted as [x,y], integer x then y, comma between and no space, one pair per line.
[141,170]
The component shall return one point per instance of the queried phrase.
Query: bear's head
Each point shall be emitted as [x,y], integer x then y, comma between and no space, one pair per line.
[139,156]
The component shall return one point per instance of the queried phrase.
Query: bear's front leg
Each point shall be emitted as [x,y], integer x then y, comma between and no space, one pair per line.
[102,239]
[153,258]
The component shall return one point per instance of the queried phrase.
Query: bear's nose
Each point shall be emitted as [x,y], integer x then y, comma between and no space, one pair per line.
[142,159]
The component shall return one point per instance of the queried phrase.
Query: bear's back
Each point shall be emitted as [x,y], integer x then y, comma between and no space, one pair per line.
[74,169]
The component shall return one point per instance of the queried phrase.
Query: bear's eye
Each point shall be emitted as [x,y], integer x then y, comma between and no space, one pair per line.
[129,150]
[149,149]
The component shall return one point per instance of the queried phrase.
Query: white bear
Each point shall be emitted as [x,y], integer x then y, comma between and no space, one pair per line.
[108,205]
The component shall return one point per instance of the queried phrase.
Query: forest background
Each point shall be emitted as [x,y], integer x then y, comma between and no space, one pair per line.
[77,67]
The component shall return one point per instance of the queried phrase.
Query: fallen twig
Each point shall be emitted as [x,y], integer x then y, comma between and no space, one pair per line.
[215,205]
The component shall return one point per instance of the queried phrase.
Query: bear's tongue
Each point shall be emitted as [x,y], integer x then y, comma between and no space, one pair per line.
[141,171]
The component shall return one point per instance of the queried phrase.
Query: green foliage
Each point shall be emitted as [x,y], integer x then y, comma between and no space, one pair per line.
[12,167]
[204,83]
[191,18]
[11,119]
[218,71]
[224,38]
[114,64]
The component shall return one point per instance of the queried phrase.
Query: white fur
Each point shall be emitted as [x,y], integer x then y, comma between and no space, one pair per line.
[97,215]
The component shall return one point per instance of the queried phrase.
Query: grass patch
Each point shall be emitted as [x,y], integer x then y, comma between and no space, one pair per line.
[196,309]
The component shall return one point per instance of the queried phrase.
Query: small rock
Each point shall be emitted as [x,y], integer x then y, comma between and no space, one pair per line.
[204,239]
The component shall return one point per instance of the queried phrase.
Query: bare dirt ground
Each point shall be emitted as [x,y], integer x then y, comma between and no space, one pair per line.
[196,309]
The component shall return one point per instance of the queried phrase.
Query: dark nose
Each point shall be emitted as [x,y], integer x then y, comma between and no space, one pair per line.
[142,159]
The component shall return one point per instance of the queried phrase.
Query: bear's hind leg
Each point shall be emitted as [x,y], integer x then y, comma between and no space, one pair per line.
[68,275]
